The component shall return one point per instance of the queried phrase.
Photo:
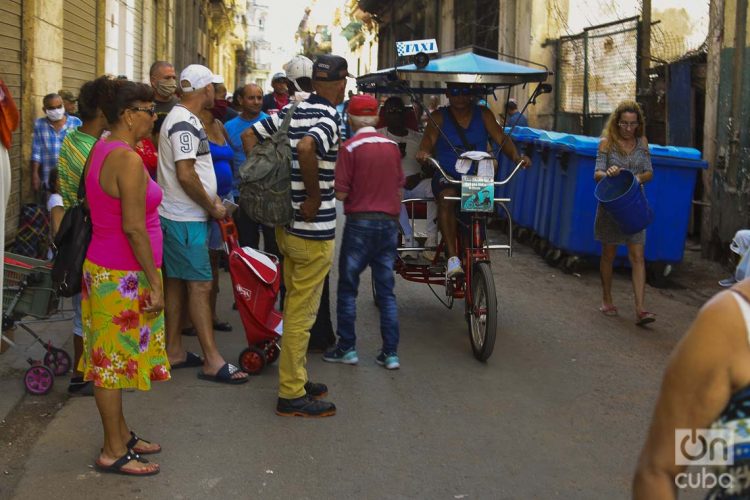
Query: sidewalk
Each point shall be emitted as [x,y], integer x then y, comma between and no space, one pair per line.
[13,362]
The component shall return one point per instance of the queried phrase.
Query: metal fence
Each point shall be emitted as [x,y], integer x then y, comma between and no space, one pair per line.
[596,70]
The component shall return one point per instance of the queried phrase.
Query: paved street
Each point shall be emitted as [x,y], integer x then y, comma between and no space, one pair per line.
[558,411]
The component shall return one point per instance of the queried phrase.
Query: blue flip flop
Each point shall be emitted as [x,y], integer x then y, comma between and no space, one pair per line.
[224,375]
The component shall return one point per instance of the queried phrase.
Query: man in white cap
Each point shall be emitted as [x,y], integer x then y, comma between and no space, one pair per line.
[299,72]
[186,176]
[279,98]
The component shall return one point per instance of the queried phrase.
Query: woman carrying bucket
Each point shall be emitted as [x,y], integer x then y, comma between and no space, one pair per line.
[623,157]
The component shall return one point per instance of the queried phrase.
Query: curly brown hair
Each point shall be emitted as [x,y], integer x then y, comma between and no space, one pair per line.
[611,130]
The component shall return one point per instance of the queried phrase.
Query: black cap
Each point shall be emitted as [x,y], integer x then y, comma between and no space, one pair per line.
[330,68]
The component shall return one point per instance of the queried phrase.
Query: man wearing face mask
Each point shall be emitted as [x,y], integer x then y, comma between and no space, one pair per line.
[48,136]
[279,98]
[164,81]
[222,111]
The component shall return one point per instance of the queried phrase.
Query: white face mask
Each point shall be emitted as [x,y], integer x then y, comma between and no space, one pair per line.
[55,115]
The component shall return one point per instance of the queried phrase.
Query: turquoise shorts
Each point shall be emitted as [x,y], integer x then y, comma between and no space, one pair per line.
[186,250]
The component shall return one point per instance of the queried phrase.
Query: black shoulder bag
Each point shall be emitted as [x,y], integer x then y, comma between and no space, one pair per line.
[72,241]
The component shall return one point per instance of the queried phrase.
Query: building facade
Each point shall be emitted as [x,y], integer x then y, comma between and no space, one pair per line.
[258,46]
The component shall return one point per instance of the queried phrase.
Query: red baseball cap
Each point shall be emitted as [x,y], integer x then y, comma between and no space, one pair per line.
[363,105]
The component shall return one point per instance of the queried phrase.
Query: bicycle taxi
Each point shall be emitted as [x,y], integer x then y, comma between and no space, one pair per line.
[488,77]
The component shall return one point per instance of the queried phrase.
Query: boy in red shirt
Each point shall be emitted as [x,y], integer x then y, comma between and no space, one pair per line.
[369,180]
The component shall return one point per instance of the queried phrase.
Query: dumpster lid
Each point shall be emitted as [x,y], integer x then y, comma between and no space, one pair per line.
[523,133]
[674,152]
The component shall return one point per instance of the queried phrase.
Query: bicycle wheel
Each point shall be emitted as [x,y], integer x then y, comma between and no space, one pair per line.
[482,317]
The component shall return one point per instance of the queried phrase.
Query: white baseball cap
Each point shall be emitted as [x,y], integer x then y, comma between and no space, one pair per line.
[278,76]
[198,77]
[298,67]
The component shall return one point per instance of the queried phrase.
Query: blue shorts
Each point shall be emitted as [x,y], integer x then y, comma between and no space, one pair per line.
[439,184]
[215,241]
[186,250]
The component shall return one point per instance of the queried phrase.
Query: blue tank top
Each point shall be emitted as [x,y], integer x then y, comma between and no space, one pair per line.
[476,135]
[222,157]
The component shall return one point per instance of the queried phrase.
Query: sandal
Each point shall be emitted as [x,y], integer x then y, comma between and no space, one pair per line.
[141,451]
[117,466]
[645,317]
[222,326]
[192,360]
[608,309]
[224,375]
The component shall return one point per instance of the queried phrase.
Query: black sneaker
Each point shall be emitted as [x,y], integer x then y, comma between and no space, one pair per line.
[305,406]
[316,391]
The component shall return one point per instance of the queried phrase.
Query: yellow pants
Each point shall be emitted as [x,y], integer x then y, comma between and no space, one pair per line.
[306,264]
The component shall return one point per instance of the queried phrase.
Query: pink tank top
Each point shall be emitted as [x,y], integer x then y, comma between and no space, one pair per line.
[109,246]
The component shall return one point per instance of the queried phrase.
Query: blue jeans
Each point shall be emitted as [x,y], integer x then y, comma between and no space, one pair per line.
[368,243]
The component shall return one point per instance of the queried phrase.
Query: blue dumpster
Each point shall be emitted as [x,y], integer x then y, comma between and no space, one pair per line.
[548,196]
[569,206]
[522,188]
[670,194]
[574,213]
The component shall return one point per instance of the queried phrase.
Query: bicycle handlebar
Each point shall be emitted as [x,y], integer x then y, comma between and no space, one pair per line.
[455,181]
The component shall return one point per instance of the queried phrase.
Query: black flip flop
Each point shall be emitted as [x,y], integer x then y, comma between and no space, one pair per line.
[192,360]
[222,326]
[117,466]
[134,440]
[224,375]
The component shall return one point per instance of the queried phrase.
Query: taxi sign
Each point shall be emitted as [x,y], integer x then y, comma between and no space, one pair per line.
[413,47]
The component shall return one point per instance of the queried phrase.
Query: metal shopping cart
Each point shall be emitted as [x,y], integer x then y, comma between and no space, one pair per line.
[28,292]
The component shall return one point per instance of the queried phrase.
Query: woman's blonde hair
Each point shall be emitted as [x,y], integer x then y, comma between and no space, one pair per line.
[611,130]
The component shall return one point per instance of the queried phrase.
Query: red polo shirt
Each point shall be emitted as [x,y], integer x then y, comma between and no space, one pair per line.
[368,168]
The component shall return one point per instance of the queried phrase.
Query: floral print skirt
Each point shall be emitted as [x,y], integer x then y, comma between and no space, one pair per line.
[123,346]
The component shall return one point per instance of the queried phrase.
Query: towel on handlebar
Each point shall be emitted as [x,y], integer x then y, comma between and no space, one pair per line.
[485,167]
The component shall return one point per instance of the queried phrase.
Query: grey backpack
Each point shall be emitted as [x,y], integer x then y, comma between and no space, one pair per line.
[266,178]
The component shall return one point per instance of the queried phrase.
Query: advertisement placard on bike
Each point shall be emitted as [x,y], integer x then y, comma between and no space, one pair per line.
[477,193]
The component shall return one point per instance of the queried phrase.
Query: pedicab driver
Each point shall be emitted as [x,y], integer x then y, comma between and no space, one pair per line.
[478,126]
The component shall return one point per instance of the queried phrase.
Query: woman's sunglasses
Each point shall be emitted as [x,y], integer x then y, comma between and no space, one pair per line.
[151,110]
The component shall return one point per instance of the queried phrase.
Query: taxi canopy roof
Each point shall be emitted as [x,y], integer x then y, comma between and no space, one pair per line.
[464,66]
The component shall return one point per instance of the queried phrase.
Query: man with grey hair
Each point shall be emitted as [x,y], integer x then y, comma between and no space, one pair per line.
[186,176]
[369,179]
[164,82]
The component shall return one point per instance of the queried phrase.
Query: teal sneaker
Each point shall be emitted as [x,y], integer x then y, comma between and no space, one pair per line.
[338,355]
[388,360]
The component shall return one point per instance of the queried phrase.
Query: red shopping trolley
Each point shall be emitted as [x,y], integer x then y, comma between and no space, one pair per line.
[256,279]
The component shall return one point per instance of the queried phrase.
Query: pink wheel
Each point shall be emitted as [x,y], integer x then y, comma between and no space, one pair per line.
[38,380]
[58,361]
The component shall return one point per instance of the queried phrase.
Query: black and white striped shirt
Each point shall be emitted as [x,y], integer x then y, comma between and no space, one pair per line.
[317,118]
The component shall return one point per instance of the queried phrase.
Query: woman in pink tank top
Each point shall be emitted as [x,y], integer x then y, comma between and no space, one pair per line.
[122,297]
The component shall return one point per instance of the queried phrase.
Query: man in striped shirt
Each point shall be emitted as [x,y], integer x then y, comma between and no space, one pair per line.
[306,244]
